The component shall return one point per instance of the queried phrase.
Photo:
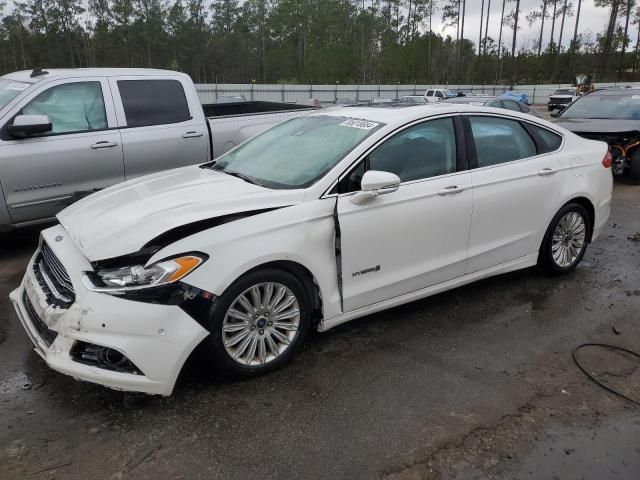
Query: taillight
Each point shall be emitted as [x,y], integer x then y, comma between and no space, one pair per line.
[607,161]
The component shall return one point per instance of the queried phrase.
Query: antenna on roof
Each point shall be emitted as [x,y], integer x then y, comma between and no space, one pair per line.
[38,72]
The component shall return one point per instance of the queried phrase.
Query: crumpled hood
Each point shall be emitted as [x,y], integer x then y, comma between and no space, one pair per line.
[596,125]
[123,218]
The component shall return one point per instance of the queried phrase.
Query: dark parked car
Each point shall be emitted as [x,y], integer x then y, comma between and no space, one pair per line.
[496,102]
[612,116]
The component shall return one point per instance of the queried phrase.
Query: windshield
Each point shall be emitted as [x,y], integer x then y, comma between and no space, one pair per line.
[10,89]
[620,106]
[296,153]
[563,92]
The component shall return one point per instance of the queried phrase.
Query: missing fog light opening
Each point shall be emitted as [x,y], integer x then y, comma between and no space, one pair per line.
[103,357]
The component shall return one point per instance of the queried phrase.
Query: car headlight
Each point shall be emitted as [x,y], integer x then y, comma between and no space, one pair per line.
[138,277]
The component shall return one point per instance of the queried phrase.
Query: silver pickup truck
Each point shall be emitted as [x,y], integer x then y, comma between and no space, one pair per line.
[65,134]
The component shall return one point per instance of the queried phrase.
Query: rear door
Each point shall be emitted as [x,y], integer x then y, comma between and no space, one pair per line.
[161,126]
[517,173]
[42,174]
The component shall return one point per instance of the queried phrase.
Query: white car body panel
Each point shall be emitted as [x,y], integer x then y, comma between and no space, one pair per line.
[422,240]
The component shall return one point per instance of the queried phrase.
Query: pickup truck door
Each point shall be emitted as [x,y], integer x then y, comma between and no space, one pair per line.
[40,175]
[161,122]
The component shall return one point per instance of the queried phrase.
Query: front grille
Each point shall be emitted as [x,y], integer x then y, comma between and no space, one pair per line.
[44,332]
[53,278]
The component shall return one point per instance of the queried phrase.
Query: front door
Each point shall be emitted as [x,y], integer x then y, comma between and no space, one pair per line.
[416,236]
[43,174]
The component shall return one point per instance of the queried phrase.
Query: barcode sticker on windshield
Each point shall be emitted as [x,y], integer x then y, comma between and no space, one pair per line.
[17,86]
[362,124]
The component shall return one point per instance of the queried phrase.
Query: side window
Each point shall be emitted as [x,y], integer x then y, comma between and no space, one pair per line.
[153,102]
[499,140]
[495,104]
[548,141]
[72,107]
[429,93]
[509,105]
[422,151]
[439,94]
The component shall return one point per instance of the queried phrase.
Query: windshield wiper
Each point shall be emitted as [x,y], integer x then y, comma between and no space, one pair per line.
[239,175]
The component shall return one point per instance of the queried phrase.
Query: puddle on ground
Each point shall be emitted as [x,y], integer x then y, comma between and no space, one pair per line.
[17,381]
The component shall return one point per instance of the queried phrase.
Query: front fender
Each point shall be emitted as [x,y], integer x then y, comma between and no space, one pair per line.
[5,219]
[303,234]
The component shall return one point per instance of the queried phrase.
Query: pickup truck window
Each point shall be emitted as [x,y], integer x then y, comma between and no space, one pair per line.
[10,89]
[72,107]
[153,102]
[296,153]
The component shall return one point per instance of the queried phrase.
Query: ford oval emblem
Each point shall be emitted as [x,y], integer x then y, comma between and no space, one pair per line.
[59,238]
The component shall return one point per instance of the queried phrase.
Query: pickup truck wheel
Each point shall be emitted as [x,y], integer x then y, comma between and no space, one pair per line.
[565,241]
[258,324]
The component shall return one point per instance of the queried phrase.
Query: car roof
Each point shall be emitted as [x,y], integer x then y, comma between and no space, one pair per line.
[392,115]
[615,91]
[25,75]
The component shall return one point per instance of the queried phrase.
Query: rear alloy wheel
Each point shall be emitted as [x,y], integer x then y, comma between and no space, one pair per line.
[259,323]
[566,239]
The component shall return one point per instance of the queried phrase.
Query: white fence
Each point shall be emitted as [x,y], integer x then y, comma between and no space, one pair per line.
[209,92]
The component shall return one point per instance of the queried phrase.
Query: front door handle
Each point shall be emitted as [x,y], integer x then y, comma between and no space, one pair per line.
[192,134]
[545,172]
[103,144]
[450,190]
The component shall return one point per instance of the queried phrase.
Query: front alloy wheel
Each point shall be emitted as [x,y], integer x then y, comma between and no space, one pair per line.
[259,323]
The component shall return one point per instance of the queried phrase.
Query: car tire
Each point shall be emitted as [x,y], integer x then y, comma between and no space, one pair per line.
[270,345]
[565,241]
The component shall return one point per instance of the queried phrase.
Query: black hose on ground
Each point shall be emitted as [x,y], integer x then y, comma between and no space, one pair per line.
[596,381]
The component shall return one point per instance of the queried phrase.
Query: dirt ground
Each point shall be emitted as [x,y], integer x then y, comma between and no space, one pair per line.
[478,383]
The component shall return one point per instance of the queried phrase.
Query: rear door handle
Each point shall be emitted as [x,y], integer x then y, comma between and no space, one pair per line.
[192,134]
[103,144]
[545,172]
[450,190]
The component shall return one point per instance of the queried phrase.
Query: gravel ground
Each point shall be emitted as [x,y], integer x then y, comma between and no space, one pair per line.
[478,382]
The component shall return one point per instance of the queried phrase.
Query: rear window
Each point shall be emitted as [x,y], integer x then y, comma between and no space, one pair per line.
[153,102]
[547,140]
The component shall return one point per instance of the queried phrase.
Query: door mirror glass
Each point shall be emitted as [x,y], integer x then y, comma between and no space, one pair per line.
[27,125]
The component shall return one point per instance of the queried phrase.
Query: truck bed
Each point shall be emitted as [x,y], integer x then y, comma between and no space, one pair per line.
[212,110]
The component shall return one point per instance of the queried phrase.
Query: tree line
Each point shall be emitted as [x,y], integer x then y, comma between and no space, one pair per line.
[322,41]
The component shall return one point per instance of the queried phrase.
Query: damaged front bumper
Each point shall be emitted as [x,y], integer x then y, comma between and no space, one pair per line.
[100,338]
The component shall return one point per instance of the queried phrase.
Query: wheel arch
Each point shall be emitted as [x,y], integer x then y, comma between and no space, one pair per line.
[303,274]
[588,206]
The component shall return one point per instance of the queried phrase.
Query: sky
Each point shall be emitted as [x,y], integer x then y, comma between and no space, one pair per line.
[592,19]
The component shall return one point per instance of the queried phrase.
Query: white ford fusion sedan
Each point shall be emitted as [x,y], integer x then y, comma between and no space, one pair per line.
[317,221]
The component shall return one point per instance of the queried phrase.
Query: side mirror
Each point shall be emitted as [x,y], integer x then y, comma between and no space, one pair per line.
[555,113]
[27,125]
[375,183]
